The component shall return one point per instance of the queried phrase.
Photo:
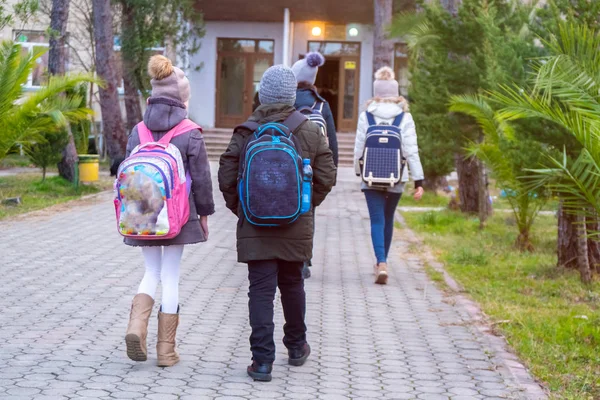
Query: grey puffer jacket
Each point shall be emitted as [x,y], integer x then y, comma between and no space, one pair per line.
[161,116]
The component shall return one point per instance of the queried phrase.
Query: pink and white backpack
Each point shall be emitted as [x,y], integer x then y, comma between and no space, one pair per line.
[152,187]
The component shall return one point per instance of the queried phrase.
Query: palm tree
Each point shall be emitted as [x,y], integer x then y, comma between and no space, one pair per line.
[566,92]
[25,118]
[497,150]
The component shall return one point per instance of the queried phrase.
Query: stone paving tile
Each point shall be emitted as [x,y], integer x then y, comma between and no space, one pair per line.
[67,283]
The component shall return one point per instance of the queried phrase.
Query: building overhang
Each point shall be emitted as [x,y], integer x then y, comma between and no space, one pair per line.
[330,11]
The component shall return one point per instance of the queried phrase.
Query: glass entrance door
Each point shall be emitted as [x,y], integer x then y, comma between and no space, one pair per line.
[348,102]
[240,66]
[338,80]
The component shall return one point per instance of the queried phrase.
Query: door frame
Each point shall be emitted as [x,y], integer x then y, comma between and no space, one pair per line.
[222,121]
[344,123]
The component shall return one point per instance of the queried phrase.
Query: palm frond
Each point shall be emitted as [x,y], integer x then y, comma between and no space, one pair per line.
[26,118]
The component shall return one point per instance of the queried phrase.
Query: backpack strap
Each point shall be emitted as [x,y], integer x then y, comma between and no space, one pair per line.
[294,121]
[249,125]
[183,127]
[398,120]
[144,133]
[320,106]
[371,119]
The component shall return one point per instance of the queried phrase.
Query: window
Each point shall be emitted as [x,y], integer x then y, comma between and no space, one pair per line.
[158,49]
[335,48]
[401,67]
[245,46]
[32,41]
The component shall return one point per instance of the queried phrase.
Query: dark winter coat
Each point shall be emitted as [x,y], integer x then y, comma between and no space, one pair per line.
[161,116]
[306,97]
[290,242]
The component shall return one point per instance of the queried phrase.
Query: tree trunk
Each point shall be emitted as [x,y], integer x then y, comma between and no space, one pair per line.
[483,195]
[59,17]
[113,129]
[133,108]
[582,250]
[593,226]
[469,177]
[68,164]
[567,239]
[523,242]
[383,48]
[58,26]
[43,174]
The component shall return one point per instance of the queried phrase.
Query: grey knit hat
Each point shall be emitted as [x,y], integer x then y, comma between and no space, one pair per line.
[278,86]
[307,68]
[167,80]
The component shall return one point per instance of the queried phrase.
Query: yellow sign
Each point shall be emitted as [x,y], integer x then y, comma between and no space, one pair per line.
[350,65]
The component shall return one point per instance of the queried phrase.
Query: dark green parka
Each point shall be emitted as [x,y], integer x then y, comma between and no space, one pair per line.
[290,242]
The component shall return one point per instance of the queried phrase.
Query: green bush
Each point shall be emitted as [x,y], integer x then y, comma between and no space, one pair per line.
[49,152]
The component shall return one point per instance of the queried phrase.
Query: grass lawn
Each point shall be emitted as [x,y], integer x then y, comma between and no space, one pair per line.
[428,200]
[36,194]
[14,161]
[442,199]
[547,315]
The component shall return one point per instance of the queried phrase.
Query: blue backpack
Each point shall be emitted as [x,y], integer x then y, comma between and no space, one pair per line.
[270,178]
[382,161]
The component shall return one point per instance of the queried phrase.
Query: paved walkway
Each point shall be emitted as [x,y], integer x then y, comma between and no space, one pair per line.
[67,283]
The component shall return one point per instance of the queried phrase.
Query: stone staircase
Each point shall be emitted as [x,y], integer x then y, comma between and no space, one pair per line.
[217,141]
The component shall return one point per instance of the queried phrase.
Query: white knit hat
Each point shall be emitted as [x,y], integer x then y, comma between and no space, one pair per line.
[307,68]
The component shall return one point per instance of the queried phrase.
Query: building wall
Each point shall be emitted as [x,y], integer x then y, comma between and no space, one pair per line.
[302,35]
[204,82]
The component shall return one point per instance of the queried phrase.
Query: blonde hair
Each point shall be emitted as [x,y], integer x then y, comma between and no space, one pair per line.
[390,100]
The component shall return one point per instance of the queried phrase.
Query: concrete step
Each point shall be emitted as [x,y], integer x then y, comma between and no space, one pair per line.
[217,141]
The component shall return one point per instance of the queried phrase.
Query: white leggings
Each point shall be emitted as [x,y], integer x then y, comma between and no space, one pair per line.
[162,265]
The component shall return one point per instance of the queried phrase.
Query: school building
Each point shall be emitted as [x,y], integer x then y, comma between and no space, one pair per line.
[244,38]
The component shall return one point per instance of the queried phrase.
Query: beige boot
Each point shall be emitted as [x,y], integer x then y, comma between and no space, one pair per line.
[381,275]
[165,346]
[137,330]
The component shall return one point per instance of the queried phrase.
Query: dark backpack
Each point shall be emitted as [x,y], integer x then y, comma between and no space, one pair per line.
[270,178]
[314,113]
[382,161]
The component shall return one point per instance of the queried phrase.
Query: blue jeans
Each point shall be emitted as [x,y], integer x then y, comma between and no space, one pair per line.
[382,206]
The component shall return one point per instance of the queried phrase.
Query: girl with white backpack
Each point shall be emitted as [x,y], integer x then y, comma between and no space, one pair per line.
[384,124]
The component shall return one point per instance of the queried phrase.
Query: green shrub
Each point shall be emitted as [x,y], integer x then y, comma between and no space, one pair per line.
[49,152]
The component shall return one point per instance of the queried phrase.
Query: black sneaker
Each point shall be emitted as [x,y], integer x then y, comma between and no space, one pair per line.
[306,271]
[260,372]
[299,356]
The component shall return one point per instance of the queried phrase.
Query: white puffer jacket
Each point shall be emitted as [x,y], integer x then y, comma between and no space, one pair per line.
[386,113]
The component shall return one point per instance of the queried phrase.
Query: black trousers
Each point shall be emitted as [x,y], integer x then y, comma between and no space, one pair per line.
[265,276]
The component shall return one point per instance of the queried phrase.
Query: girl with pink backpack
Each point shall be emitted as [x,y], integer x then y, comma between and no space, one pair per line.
[163,197]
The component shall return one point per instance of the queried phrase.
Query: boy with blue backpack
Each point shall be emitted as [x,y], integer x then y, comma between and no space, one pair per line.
[265,179]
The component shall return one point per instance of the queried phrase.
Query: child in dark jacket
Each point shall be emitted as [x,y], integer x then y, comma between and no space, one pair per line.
[307,95]
[275,254]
